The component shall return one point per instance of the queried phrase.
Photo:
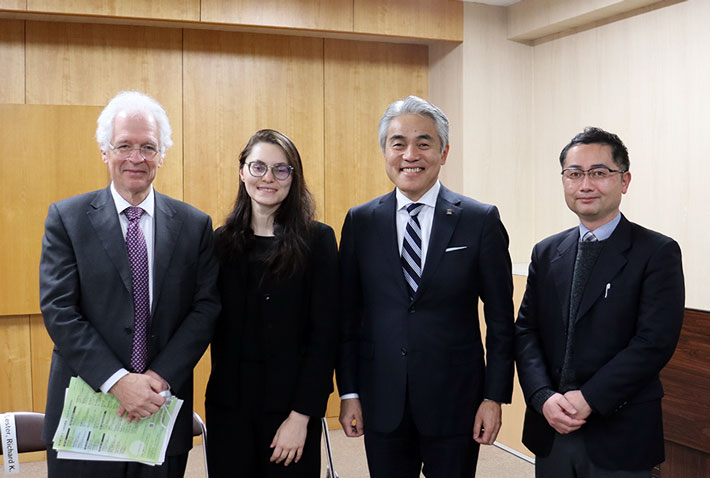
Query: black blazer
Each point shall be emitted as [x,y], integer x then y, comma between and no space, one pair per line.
[430,346]
[627,327]
[86,298]
[302,328]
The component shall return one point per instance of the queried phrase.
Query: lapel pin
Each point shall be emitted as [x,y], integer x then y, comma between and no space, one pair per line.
[606,291]
[449,212]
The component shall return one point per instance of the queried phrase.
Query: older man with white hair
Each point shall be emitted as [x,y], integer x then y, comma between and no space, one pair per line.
[127,288]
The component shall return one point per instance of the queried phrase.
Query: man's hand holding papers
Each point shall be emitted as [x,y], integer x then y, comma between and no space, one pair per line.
[91,429]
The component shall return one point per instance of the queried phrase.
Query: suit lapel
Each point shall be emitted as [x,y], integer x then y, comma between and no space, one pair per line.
[562,268]
[104,219]
[446,216]
[611,259]
[167,231]
[385,219]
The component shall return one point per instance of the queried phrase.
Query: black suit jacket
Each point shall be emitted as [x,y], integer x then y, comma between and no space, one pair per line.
[430,346]
[301,329]
[86,298]
[627,327]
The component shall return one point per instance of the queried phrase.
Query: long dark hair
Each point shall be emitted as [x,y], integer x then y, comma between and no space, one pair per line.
[292,223]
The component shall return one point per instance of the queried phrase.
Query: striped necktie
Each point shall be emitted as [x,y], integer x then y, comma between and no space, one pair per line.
[412,249]
[589,237]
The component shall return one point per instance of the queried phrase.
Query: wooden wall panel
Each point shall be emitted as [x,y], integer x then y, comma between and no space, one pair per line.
[154,9]
[511,432]
[361,80]
[42,347]
[235,84]
[12,59]
[13,4]
[331,15]
[38,169]
[686,381]
[683,462]
[89,64]
[435,19]
[15,367]
[332,411]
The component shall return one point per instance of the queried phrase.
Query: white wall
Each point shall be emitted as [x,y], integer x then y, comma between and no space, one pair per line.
[646,78]
[497,108]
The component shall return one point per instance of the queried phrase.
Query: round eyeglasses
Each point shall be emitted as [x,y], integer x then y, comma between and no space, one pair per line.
[124,151]
[595,174]
[258,169]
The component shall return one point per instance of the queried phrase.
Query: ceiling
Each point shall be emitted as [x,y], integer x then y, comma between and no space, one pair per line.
[499,3]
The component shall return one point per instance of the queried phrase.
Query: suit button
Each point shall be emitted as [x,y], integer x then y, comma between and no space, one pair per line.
[267,297]
[558,371]
[411,310]
[128,330]
[403,350]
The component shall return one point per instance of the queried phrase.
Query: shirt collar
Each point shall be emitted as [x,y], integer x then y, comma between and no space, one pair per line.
[428,199]
[602,233]
[148,204]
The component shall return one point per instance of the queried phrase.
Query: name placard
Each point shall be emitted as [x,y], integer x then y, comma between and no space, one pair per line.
[9,443]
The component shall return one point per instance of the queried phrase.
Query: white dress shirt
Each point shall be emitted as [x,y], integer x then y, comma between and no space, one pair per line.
[603,232]
[147,225]
[425,216]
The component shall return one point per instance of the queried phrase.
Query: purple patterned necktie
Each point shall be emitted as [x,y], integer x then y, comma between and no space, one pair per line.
[138,258]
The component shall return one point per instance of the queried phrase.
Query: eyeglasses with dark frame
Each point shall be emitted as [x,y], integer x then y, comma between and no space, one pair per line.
[124,151]
[279,171]
[598,173]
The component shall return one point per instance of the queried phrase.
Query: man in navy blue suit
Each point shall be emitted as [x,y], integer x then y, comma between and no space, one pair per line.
[414,264]
[601,316]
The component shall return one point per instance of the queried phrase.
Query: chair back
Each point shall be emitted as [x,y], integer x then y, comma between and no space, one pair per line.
[28,428]
[199,428]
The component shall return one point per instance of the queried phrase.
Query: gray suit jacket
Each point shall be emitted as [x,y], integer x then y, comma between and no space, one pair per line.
[86,298]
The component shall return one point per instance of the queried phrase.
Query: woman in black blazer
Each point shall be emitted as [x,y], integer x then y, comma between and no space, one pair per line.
[274,348]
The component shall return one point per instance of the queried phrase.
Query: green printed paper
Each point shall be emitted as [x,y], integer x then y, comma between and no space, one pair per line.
[89,425]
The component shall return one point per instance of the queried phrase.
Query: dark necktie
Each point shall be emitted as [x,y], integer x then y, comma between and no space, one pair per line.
[138,258]
[412,249]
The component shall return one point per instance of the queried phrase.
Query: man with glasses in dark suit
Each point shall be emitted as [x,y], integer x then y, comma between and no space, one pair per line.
[600,318]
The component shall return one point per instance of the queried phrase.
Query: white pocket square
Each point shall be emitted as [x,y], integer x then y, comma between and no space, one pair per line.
[458,248]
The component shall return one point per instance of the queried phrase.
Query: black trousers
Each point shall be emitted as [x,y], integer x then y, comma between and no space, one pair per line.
[244,451]
[173,467]
[239,437]
[405,453]
[569,459]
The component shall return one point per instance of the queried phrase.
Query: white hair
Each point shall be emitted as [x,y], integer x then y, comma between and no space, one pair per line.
[416,106]
[132,102]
